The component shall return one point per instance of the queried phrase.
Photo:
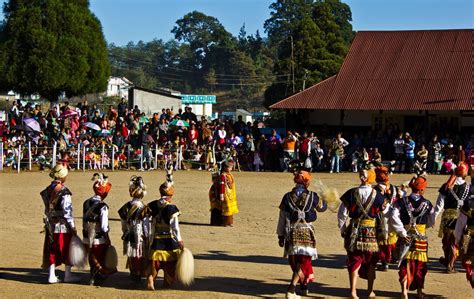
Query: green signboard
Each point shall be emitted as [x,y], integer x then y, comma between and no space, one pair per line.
[198,99]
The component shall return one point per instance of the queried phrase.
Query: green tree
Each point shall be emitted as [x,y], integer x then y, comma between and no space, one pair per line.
[202,33]
[211,79]
[53,46]
[312,39]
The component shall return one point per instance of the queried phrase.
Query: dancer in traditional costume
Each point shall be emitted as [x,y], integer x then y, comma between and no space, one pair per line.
[215,200]
[410,217]
[165,237]
[464,234]
[95,222]
[363,206]
[135,229]
[451,198]
[387,238]
[59,225]
[227,194]
[298,211]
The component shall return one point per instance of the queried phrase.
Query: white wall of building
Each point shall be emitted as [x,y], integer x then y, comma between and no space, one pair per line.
[150,103]
[117,87]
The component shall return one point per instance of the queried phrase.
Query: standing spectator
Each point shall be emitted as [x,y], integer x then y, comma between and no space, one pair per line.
[399,148]
[122,106]
[193,134]
[434,155]
[274,147]
[221,135]
[304,147]
[337,152]
[409,153]
[377,157]
[289,144]
[421,160]
[318,157]
[239,125]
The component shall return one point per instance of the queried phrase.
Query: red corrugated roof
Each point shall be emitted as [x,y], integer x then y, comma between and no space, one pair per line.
[398,70]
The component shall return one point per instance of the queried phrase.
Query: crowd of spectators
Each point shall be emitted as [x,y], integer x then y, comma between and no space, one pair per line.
[126,138]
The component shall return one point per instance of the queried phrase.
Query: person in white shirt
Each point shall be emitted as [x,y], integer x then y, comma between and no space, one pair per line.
[399,147]
[95,222]
[452,196]
[464,231]
[409,218]
[59,225]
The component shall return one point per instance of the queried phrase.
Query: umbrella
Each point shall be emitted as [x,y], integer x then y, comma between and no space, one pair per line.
[92,126]
[68,113]
[143,119]
[105,132]
[33,124]
[179,123]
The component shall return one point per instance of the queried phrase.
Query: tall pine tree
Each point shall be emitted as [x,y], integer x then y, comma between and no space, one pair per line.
[52,46]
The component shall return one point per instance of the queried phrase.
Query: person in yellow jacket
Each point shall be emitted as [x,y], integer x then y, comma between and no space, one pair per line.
[227,194]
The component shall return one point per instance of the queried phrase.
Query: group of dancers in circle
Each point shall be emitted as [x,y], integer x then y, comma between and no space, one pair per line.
[379,222]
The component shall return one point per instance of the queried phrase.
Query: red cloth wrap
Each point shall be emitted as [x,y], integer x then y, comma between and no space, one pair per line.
[99,253]
[414,272]
[169,268]
[222,185]
[362,259]
[385,252]
[136,265]
[449,247]
[303,263]
[58,251]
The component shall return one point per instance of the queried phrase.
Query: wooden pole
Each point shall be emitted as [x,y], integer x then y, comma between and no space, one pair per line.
[1,156]
[113,158]
[102,156]
[84,158]
[78,156]
[19,158]
[29,155]
[156,156]
[141,158]
[54,154]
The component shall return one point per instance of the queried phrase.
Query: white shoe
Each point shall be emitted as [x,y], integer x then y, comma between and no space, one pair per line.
[72,278]
[53,280]
[292,296]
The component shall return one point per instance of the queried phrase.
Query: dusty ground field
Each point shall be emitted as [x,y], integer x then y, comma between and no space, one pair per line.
[243,261]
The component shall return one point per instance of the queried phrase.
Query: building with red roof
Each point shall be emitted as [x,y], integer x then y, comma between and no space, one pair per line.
[418,78]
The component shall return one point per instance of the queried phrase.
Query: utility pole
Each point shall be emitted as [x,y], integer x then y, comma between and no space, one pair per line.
[305,77]
[292,64]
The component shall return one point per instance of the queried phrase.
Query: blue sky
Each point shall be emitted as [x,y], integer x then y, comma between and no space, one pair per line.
[134,20]
[127,20]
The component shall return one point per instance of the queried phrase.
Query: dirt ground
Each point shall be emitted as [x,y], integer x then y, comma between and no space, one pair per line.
[242,261]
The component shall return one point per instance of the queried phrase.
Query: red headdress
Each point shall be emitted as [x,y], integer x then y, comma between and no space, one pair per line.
[382,174]
[302,177]
[461,171]
[418,183]
[101,185]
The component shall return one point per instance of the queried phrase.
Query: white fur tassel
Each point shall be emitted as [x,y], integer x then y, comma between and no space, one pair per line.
[330,196]
[185,267]
[77,253]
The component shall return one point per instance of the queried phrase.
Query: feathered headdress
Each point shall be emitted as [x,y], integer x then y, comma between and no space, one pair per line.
[167,188]
[101,185]
[137,187]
